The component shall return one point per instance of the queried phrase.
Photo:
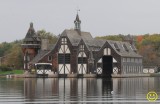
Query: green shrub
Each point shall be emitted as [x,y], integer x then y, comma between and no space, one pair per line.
[5,68]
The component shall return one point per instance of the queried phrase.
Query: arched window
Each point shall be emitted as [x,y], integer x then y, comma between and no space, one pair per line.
[107,51]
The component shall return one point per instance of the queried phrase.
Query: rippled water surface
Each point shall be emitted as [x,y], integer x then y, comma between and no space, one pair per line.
[78,91]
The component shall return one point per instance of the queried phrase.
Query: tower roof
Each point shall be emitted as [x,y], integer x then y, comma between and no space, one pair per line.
[31,34]
[77,19]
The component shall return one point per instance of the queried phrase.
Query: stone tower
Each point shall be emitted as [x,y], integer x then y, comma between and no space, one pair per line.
[31,45]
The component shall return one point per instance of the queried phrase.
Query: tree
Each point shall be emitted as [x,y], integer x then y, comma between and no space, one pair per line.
[4,47]
[43,34]
[14,56]
[111,37]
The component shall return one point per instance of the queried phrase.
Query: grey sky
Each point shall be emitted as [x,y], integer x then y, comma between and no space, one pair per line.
[100,17]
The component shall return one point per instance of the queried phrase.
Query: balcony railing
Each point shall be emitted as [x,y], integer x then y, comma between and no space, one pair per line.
[31,45]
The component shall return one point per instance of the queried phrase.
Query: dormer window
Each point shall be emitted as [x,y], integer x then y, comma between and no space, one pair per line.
[116,46]
[133,48]
[125,47]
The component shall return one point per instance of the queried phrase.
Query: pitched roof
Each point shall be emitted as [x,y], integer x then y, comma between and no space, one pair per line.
[40,55]
[75,37]
[123,48]
[94,44]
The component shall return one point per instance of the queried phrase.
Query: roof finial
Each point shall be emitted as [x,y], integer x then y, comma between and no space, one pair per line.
[31,24]
[78,10]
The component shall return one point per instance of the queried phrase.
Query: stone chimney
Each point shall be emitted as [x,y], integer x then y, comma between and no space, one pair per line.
[44,44]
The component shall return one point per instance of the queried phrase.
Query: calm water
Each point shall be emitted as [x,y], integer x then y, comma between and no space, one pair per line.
[78,91]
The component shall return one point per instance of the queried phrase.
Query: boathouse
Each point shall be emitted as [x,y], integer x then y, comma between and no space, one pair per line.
[77,52]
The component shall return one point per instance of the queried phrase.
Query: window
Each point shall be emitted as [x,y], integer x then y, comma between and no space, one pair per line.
[140,60]
[128,59]
[136,60]
[127,68]
[132,59]
[124,69]
[64,58]
[82,60]
[116,47]
[133,47]
[125,47]
[49,58]
[139,69]
[82,47]
[107,51]
[67,58]
[64,47]
[64,41]
[124,59]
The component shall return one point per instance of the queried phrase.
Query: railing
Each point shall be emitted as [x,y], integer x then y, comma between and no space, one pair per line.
[31,45]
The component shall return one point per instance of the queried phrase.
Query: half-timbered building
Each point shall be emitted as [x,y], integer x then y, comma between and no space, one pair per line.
[77,52]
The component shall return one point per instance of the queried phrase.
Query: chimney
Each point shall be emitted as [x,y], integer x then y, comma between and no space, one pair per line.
[44,44]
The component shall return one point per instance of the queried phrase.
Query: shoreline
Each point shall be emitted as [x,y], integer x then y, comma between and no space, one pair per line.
[79,76]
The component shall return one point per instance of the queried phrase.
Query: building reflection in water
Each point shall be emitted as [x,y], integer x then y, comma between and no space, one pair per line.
[134,89]
[89,89]
[29,88]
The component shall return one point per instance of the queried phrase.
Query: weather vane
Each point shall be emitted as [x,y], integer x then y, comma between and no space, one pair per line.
[78,10]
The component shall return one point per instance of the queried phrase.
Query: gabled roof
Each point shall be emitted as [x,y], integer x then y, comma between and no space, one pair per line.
[94,44]
[75,37]
[39,56]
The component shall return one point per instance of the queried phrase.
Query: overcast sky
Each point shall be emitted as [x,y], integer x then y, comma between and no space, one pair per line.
[99,17]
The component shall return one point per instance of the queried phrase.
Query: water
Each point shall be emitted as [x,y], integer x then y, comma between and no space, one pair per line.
[78,90]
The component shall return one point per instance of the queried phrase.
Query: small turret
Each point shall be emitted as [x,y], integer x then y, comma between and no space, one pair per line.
[77,23]
[31,36]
